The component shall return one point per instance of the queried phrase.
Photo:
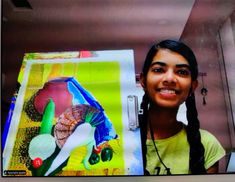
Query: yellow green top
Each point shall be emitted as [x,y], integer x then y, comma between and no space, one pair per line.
[174,152]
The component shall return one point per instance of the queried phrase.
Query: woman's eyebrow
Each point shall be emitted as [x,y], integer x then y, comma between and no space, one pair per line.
[158,63]
[183,66]
[164,64]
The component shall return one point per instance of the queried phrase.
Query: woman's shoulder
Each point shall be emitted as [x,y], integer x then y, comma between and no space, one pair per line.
[214,151]
[207,136]
[210,142]
[204,132]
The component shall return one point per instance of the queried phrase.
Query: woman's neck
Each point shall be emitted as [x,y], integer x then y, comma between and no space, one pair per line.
[163,122]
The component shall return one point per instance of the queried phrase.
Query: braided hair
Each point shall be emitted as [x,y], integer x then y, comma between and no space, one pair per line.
[196,154]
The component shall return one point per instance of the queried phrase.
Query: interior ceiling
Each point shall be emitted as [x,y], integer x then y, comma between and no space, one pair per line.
[72,25]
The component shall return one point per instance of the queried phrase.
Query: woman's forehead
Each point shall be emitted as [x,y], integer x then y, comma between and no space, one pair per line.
[169,57]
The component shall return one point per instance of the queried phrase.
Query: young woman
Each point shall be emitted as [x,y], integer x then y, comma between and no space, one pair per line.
[169,77]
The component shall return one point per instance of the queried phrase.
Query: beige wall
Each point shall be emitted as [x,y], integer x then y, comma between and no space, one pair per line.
[203,38]
[227,44]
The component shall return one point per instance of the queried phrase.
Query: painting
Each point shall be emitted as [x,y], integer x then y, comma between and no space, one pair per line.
[72,116]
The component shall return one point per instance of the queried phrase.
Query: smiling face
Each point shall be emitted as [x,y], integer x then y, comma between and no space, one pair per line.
[168,81]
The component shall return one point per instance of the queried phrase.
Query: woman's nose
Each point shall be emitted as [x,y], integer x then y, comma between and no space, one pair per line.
[169,77]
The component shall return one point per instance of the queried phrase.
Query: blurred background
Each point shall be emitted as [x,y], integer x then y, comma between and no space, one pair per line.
[207,26]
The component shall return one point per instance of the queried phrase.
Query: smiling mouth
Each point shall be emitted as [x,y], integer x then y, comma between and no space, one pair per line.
[167,91]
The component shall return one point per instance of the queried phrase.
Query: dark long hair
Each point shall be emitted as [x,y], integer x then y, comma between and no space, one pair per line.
[196,155]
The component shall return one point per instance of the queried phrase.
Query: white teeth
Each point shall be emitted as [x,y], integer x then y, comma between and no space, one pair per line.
[168,91]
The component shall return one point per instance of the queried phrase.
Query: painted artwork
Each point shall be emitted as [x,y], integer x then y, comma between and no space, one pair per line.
[71,116]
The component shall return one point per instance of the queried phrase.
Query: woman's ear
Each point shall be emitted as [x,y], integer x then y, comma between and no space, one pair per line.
[142,81]
[194,85]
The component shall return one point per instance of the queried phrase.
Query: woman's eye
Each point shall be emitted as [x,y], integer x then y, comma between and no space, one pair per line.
[158,70]
[183,72]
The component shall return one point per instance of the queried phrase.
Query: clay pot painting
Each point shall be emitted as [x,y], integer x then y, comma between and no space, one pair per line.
[57,90]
